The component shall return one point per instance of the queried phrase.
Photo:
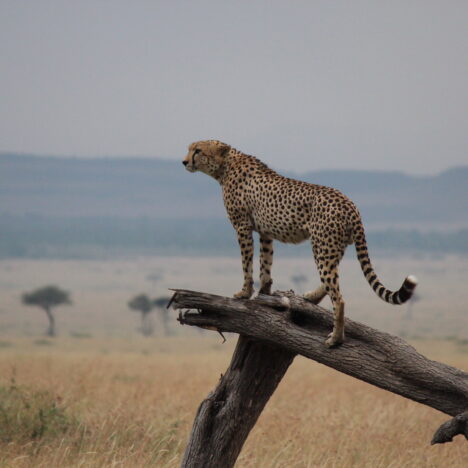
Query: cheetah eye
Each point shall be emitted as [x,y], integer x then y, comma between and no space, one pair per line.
[197,151]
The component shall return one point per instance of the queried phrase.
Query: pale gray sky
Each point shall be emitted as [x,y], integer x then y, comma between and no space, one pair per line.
[304,85]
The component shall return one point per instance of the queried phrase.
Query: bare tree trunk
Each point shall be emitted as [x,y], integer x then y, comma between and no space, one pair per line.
[146,327]
[227,415]
[290,325]
[50,316]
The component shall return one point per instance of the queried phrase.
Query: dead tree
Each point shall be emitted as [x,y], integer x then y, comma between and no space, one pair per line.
[273,330]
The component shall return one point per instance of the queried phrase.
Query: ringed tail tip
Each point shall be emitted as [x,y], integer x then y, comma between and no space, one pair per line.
[394,297]
[412,280]
[406,290]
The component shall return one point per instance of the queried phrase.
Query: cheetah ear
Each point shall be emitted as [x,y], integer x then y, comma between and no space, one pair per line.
[221,149]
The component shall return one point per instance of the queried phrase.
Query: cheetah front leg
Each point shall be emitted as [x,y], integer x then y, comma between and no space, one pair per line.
[266,261]
[244,236]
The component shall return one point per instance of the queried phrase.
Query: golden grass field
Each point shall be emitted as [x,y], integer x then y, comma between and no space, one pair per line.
[131,404]
[100,395]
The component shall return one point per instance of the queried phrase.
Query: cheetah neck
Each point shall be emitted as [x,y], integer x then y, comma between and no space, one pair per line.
[238,164]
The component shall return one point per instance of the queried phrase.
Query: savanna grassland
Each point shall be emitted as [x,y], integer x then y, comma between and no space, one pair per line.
[102,403]
[100,395]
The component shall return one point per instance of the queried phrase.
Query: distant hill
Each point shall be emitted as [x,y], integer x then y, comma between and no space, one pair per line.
[103,208]
[158,188]
[96,187]
[36,236]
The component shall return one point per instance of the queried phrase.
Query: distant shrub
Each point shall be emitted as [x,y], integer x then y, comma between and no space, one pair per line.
[27,414]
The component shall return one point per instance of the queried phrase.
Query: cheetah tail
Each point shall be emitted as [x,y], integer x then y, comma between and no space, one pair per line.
[392,297]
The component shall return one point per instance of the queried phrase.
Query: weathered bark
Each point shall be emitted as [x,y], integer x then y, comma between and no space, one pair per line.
[296,326]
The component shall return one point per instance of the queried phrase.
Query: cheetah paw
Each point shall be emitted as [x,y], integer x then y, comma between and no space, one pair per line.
[266,288]
[333,341]
[243,294]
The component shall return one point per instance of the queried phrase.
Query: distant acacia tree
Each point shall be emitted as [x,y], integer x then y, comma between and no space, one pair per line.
[160,303]
[47,298]
[142,303]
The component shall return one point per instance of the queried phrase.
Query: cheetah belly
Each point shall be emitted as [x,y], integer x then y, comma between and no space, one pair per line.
[280,228]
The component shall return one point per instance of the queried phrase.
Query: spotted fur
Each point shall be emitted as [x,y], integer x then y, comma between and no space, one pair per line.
[259,199]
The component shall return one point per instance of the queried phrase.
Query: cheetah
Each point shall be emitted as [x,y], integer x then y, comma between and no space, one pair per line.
[279,208]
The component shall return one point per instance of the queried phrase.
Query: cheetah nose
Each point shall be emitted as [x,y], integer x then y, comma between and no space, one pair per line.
[184,163]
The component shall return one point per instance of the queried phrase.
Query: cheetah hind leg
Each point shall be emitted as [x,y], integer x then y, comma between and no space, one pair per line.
[317,295]
[336,337]
[327,266]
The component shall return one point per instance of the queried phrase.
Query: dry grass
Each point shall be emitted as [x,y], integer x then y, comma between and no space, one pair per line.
[131,404]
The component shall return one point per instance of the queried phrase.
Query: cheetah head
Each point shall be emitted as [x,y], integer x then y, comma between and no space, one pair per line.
[206,156]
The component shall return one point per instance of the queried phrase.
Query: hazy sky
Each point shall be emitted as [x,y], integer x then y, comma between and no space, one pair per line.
[304,85]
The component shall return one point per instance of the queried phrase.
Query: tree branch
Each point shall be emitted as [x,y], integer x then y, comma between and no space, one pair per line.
[296,326]
[451,428]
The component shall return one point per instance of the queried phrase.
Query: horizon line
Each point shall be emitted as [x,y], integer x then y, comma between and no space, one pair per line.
[136,157]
